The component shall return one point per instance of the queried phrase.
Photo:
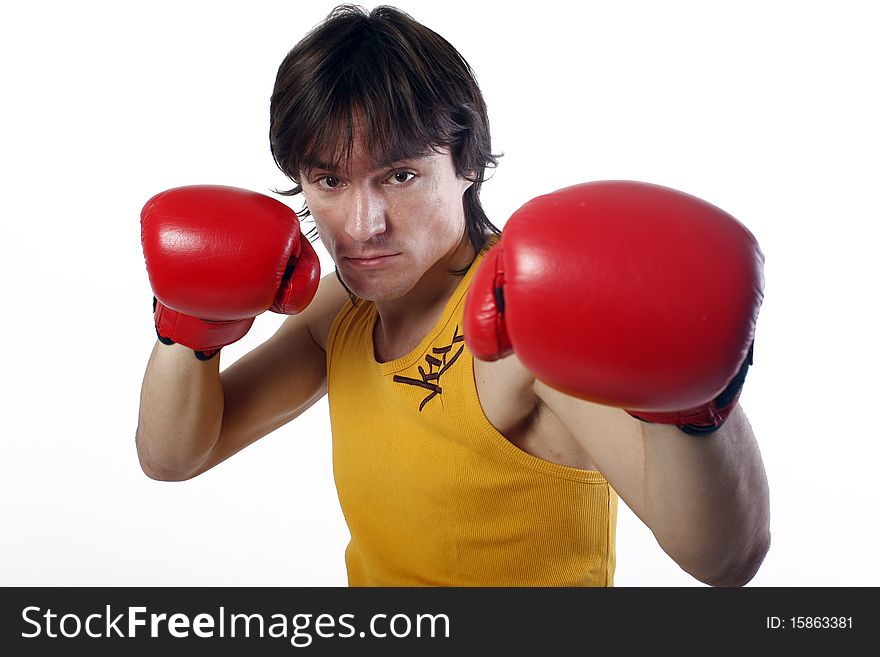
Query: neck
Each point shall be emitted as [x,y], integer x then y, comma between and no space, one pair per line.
[404,321]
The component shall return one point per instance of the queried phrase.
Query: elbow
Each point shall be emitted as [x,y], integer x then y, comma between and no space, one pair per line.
[157,472]
[155,469]
[740,569]
[163,474]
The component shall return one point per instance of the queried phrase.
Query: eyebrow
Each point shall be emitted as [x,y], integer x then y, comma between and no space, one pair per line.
[382,166]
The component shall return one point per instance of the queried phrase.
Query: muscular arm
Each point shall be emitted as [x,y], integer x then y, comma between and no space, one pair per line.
[640,297]
[181,412]
[706,499]
[192,416]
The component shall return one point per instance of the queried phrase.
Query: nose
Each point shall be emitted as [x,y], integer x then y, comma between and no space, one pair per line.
[366,216]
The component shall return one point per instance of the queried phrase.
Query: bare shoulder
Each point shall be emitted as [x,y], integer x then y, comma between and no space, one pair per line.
[505,389]
[611,439]
[589,421]
[318,317]
[513,402]
[291,364]
[279,379]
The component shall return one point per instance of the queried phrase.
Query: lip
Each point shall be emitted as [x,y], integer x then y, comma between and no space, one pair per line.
[371,260]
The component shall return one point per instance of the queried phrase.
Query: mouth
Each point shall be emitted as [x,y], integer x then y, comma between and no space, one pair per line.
[371,260]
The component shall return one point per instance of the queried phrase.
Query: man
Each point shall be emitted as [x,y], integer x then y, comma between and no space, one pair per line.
[612,328]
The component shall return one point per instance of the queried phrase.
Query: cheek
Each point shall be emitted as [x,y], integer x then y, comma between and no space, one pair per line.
[322,215]
[321,227]
[443,199]
[449,204]
[322,233]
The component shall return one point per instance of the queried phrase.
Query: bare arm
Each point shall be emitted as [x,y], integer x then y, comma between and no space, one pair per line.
[180,413]
[706,499]
[192,417]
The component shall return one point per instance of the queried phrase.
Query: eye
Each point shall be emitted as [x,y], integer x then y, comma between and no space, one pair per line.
[329,182]
[400,177]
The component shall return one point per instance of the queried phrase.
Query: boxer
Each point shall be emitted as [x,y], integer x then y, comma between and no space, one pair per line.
[491,393]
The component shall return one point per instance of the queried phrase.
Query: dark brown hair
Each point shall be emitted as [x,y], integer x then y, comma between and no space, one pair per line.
[413,91]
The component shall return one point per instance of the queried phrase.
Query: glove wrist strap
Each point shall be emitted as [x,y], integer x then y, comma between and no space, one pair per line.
[704,419]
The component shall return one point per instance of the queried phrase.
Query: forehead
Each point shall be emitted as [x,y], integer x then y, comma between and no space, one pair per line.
[360,159]
[355,140]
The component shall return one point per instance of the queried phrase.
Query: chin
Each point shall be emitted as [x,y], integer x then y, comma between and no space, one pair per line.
[386,285]
[376,290]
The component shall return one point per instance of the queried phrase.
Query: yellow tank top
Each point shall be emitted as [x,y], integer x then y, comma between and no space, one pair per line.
[432,493]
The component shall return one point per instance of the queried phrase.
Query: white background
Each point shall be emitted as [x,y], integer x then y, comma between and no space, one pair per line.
[767,109]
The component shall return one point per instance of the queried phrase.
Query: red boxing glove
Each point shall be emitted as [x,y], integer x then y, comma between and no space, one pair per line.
[626,294]
[219,256]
